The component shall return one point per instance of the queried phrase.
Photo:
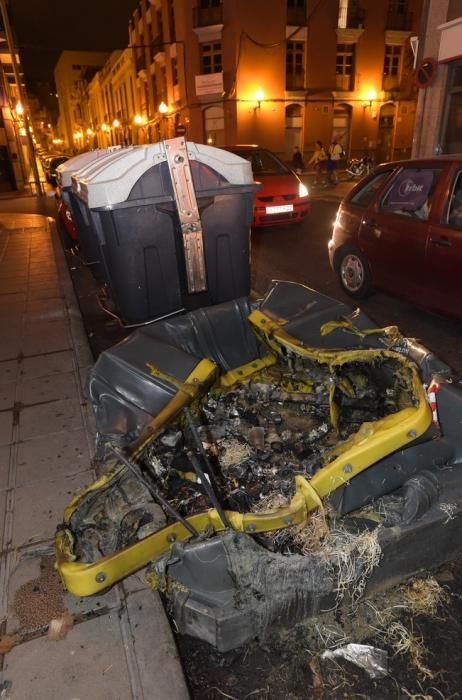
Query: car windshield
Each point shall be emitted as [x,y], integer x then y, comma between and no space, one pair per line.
[263,162]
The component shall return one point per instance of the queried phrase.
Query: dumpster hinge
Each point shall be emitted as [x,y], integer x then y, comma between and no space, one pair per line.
[188,212]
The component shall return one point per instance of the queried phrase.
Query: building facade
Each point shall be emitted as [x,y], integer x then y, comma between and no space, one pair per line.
[279,73]
[439,74]
[73,73]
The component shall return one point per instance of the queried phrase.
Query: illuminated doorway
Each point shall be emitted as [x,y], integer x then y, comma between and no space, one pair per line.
[384,151]
[214,126]
[294,131]
[341,126]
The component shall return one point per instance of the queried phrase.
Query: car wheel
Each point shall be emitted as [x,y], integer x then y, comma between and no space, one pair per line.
[354,274]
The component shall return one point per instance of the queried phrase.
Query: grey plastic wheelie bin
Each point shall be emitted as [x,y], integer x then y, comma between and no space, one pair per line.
[172,222]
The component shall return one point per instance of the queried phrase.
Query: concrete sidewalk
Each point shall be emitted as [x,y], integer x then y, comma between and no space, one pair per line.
[120,645]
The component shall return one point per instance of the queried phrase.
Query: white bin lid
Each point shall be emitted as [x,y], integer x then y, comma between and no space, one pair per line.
[109,183]
[82,160]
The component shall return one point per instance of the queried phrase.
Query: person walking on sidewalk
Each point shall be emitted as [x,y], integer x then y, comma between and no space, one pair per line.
[318,159]
[297,161]
[335,153]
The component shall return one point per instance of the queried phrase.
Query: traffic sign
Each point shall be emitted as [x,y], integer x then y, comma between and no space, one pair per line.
[426,72]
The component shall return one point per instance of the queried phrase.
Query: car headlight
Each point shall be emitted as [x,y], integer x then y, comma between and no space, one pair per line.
[302,190]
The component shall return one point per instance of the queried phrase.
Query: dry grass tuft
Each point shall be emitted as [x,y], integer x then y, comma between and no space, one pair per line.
[403,641]
[354,557]
[232,452]
[314,534]
[425,596]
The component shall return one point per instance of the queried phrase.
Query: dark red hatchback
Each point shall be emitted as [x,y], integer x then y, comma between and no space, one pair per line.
[401,230]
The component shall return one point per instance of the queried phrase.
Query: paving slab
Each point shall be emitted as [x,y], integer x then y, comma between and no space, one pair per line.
[46,388]
[4,467]
[6,427]
[47,291]
[39,507]
[45,310]
[89,663]
[8,371]
[13,297]
[10,346]
[3,496]
[44,365]
[50,418]
[7,394]
[51,455]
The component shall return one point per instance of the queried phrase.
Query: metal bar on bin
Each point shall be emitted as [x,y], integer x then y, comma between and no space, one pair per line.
[188,212]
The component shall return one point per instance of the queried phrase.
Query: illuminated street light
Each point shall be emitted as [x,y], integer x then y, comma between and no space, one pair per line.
[138,119]
[259,96]
[116,123]
[371,95]
[163,109]
[19,109]
[104,127]
[89,132]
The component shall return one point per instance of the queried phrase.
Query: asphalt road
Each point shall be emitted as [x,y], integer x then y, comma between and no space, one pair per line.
[292,253]
[300,254]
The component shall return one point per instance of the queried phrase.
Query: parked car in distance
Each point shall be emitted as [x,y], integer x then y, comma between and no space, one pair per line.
[401,230]
[50,167]
[283,199]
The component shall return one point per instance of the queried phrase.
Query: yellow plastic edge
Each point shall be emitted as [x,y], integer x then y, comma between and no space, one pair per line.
[83,579]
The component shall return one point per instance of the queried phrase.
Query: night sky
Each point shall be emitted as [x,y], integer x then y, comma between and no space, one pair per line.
[44,28]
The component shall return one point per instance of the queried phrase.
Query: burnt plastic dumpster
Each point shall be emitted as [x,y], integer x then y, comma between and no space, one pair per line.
[172,222]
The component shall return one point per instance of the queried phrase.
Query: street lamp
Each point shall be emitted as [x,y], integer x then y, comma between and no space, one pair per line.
[163,109]
[138,121]
[259,96]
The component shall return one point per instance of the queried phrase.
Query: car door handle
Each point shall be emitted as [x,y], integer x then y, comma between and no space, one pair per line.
[442,241]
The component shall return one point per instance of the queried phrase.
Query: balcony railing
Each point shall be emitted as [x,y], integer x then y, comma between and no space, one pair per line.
[399,21]
[343,82]
[351,16]
[391,82]
[207,16]
[295,81]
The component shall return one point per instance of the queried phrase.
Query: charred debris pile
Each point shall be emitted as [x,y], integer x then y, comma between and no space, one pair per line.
[249,440]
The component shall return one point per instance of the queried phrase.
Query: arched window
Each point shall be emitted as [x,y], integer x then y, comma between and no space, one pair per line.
[214,125]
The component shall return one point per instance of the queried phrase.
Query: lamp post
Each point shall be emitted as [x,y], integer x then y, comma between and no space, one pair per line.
[259,96]
[163,110]
[22,100]
[139,122]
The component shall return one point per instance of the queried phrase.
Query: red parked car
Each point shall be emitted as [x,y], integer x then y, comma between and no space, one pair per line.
[400,229]
[283,198]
